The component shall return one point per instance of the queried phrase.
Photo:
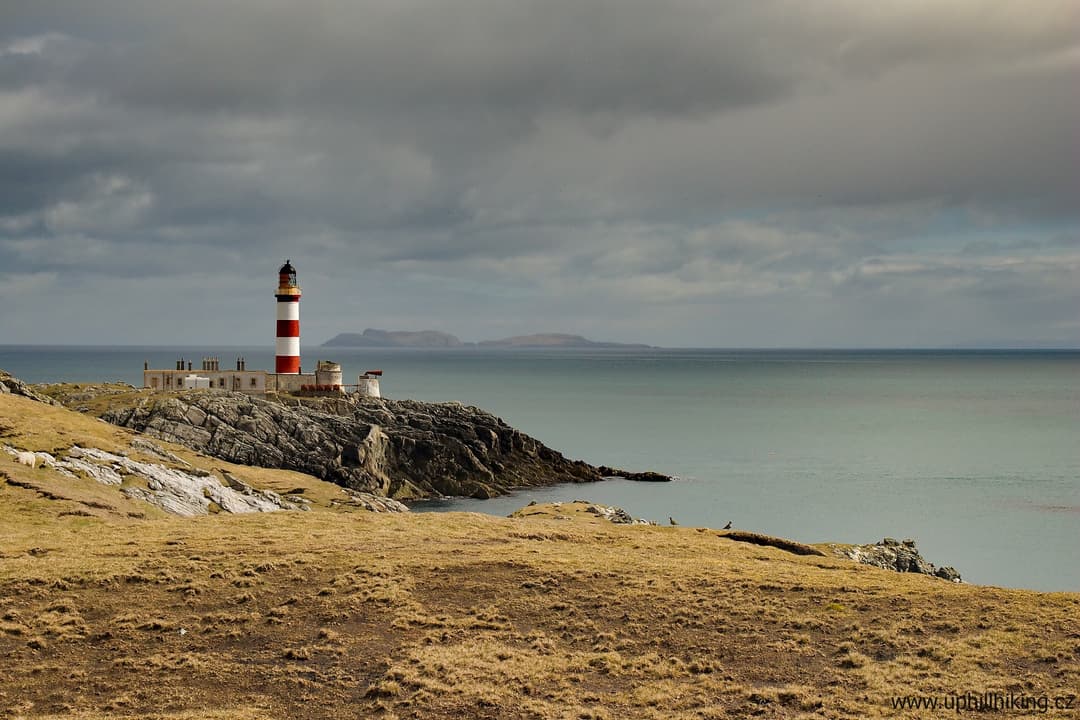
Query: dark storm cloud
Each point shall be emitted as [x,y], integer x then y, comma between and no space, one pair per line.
[641,158]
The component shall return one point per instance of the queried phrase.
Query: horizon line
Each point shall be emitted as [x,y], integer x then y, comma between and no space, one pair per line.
[599,346]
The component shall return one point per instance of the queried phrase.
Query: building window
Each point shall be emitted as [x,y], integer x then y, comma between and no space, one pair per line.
[253,383]
[221,382]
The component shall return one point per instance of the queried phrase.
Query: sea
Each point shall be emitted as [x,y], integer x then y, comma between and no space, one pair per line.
[973,454]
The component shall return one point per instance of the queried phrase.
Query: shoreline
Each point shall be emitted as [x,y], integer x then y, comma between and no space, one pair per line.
[711,497]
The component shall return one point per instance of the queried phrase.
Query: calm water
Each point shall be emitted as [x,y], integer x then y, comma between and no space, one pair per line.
[976,455]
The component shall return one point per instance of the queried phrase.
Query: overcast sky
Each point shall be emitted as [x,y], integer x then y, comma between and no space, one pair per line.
[680,173]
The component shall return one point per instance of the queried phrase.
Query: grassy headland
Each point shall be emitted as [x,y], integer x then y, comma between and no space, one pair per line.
[111,608]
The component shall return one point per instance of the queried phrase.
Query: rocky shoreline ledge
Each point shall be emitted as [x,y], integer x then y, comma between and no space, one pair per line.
[400,449]
[888,554]
[898,555]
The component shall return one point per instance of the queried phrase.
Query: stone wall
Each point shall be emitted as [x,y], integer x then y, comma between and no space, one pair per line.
[245,381]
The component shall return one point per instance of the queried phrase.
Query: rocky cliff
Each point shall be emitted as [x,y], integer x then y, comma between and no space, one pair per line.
[394,448]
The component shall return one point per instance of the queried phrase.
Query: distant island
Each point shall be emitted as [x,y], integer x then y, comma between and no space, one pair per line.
[394,338]
[555,340]
[436,339]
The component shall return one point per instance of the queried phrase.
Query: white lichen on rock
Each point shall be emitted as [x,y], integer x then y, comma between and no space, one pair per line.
[181,492]
[613,514]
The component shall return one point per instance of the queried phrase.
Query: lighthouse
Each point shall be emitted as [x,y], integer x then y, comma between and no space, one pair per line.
[286,379]
[287,345]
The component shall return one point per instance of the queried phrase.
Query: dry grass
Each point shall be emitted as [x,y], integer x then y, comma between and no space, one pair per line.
[332,614]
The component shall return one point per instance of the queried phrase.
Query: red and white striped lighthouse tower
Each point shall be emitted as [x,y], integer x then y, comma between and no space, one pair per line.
[287,345]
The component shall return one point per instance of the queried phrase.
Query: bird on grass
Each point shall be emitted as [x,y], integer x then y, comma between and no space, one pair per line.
[672,520]
[728,526]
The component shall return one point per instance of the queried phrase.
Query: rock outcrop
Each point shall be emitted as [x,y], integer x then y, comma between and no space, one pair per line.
[901,556]
[400,449]
[185,492]
[372,503]
[578,509]
[647,476]
[15,386]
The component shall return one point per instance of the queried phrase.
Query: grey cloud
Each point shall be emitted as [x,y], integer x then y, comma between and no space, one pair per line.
[498,97]
[588,56]
[668,162]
